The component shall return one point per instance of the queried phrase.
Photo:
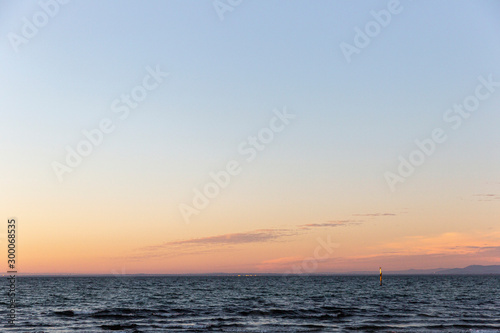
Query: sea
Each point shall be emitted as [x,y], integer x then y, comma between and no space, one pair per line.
[431,303]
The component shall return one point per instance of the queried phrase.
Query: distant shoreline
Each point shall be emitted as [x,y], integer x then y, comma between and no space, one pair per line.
[469,270]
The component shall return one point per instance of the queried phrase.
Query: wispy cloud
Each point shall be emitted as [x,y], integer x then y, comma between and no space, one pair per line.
[375,214]
[261,235]
[256,236]
[487,197]
[329,224]
[210,244]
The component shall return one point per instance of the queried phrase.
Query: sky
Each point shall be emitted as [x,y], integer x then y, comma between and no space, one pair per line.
[250,136]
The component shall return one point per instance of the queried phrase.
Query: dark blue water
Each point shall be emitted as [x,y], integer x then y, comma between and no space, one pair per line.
[256,304]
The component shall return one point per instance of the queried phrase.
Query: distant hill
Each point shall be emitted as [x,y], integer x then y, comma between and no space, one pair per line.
[473,269]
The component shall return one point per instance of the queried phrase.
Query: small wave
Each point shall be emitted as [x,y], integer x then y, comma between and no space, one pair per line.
[115,313]
[230,326]
[118,327]
[295,314]
[65,313]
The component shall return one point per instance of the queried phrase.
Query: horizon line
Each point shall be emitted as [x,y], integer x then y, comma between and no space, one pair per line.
[423,271]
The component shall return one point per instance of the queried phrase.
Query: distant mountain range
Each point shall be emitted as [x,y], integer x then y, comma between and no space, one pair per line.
[473,269]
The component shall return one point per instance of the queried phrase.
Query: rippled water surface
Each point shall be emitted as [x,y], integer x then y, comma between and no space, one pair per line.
[256,304]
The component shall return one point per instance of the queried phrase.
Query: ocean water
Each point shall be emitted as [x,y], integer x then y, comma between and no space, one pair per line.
[255,304]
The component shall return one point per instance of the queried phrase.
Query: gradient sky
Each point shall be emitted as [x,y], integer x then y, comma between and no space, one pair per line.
[321,180]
